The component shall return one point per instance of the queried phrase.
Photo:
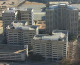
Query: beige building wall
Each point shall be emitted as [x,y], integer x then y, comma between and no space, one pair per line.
[13,52]
[8,17]
[50,48]
[27,14]
[21,35]
[54,50]
[62,17]
[12,56]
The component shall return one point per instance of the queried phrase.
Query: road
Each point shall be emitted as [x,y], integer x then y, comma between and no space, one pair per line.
[29,63]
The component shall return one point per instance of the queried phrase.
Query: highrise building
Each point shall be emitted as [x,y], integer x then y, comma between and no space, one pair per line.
[62,17]
[11,14]
[51,47]
[7,17]
[20,33]
[27,15]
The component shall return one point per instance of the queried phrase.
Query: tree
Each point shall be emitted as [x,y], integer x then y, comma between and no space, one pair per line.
[72,37]
[35,57]
[12,3]
[76,62]
[35,21]
[4,2]
[65,62]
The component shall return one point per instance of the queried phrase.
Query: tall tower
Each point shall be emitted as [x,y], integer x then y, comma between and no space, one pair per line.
[62,17]
[27,15]
[7,17]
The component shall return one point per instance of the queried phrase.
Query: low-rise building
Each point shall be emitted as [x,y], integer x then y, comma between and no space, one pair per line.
[51,47]
[13,52]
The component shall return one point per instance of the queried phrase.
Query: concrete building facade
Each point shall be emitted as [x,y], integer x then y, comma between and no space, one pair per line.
[27,15]
[7,17]
[20,33]
[51,47]
[11,14]
[13,52]
[62,17]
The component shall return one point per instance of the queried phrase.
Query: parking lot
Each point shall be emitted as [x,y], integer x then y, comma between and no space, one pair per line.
[38,10]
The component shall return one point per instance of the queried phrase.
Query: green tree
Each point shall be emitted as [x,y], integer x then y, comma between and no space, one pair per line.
[35,57]
[4,2]
[65,62]
[12,3]
[35,21]
[72,37]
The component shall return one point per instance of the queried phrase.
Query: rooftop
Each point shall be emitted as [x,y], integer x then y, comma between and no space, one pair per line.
[13,10]
[56,35]
[58,2]
[21,25]
[9,11]
[20,51]
[62,31]
[62,4]
[11,48]
[24,9]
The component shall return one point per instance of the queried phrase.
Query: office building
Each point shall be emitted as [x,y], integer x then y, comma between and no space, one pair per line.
[51,47]
[13,52]
[62,17]
[27,15]
[12,14]
[7,17]
[20,33]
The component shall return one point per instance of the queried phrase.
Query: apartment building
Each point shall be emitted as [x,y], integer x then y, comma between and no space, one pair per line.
[62,17]
[20,33]
[51,47]
[7,17]
[26,14]
[13,52]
